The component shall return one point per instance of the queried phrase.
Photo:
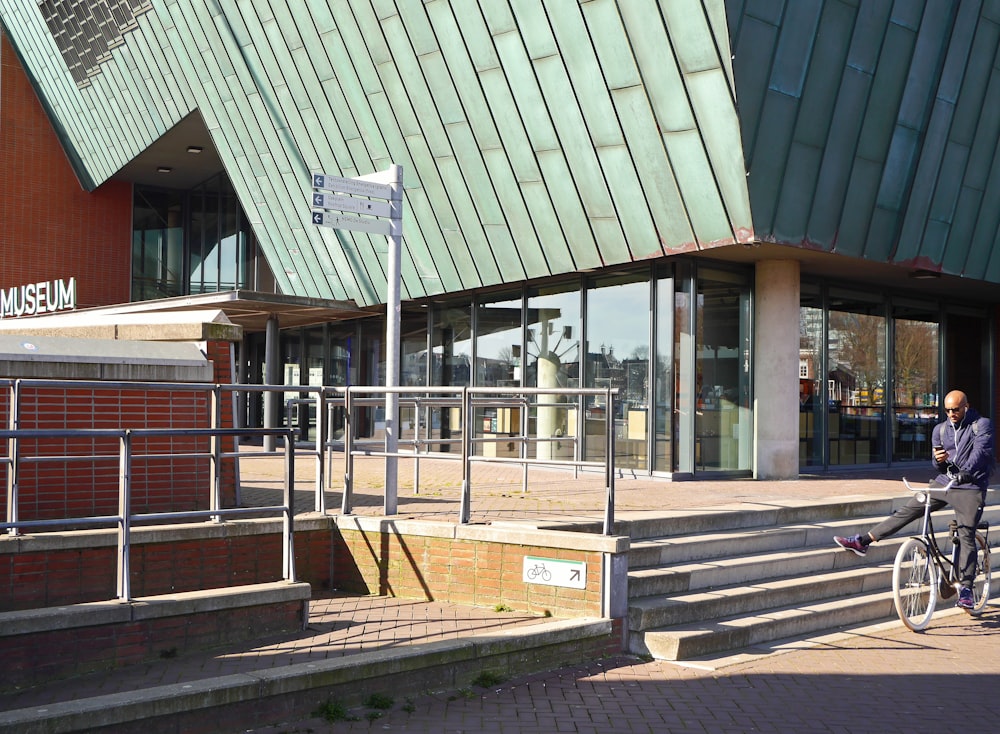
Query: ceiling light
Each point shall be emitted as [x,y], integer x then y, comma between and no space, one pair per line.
[163,169]
[195,149]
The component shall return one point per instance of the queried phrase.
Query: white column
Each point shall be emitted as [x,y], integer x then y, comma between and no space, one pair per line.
[776,370]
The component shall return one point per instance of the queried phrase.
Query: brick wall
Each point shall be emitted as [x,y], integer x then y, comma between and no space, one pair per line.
[50,227]
[48,577]
[480,573]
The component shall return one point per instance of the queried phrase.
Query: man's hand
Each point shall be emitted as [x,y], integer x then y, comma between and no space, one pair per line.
[940,455]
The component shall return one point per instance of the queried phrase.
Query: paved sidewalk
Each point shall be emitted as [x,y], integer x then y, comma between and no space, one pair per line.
[601,696]
[883,679]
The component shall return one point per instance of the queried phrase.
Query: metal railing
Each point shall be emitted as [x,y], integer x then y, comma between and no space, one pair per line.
[468,400]
[126,520]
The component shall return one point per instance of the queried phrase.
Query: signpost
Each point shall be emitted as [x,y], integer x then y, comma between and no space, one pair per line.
[386,185]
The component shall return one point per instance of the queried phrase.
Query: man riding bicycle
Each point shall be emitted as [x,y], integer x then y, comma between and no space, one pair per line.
[962,450]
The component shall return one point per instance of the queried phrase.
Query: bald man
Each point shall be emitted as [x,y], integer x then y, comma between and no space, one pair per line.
[962,447]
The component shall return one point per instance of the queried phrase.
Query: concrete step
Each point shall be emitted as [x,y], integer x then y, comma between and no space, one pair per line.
[242,700]
[702,592]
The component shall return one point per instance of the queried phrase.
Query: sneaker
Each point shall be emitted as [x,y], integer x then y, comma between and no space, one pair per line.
[852,544]
[965,598]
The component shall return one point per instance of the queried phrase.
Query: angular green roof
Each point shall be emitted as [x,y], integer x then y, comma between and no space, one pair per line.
[871,128]
[535,137]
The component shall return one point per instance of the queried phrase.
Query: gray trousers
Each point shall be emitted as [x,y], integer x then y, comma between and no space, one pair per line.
[968,505]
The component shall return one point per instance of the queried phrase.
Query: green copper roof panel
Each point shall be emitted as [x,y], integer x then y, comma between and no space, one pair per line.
[895,132]
[536,138]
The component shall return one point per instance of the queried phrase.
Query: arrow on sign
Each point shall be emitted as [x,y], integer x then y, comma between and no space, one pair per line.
[349,204]
[352,186]
[355,224]
[574,575]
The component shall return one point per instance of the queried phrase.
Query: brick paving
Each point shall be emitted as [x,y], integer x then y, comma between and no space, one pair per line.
[882,679]
[833,684]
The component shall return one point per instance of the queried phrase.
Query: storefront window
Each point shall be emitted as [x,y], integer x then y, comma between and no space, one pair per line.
[723,431]
[856,379]
[663,371]
[552,359]
[811,382]
[617,356]
[914,382]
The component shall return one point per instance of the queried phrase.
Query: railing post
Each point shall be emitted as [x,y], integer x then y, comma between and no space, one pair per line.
[465,512]
[215,474]
[13,454]
[416,445]
[287,527]
[320,436]
[345,506]
[125,516]
[609,465]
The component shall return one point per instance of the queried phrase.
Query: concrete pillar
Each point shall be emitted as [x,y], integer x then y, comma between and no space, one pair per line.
[776,370]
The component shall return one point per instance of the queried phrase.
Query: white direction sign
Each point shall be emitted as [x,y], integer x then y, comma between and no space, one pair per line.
[352,186]
[355,224]
[555,572]
[350,204]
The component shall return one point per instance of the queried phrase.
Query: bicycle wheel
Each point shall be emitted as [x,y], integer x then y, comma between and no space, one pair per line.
[981,586]
[914,584]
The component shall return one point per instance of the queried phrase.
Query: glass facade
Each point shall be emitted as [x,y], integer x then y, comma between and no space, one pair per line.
[189,242]
[872,370]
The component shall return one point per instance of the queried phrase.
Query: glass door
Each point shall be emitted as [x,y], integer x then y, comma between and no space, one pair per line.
[723,431]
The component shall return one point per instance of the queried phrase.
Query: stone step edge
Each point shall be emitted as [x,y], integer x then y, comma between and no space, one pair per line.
[128,707]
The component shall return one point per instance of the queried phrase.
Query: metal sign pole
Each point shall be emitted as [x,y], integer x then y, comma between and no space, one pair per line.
[386,185]
[392,310]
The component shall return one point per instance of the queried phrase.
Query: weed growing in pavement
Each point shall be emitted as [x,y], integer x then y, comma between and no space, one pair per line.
[502,608]
[409,707]
[334,711]
[379,701]
[461,693]
[488,679]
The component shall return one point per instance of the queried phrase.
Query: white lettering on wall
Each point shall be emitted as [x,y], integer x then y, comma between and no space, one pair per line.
[38,298]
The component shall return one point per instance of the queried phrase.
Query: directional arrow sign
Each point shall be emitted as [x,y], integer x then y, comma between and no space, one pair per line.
[554,572]
[352,186]
[350,204]
[355,224]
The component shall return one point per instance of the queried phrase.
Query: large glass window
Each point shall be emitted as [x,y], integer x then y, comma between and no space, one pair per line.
[856,379]
[498,340]
[192,242]
[157,245]
[811,382]
[663,372]
[451,339]
[552,359]
[723,431]
[914,381]
[618,349]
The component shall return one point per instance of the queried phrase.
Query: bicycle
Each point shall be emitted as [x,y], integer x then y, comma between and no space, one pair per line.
[922,571]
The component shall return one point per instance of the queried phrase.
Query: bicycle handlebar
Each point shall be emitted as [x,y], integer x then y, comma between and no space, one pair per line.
[944,488]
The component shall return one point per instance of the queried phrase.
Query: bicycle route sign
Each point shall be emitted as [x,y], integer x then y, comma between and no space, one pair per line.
[554,572]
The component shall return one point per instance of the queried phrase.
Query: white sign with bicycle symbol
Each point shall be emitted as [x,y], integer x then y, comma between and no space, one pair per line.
[555,572]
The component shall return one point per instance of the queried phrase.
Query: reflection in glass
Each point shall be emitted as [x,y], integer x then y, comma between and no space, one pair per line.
[618,357]
[451,364]
[915,385]
[810,377]
[552,360]
[664,373]
[723,416]
[856,379]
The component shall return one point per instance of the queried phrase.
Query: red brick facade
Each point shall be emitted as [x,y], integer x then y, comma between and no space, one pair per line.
[50,227]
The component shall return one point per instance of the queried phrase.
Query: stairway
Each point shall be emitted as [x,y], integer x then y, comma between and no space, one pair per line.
[714,582]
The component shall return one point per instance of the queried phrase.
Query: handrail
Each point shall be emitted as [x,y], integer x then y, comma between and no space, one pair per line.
[125,520]
[467,402]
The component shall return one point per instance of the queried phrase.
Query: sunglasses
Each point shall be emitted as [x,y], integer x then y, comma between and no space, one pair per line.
[955,410]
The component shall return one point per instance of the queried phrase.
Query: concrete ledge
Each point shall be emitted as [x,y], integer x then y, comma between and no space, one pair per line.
[503,533]
[300,688]
[92,614]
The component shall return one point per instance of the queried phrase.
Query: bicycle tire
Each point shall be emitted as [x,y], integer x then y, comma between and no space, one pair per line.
[914,584]
[981,584]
